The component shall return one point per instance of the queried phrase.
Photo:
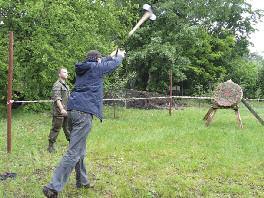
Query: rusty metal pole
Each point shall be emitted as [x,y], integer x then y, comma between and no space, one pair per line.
[170,92]
[9,91]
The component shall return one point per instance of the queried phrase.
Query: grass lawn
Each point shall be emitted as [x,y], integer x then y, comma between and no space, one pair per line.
[143,153]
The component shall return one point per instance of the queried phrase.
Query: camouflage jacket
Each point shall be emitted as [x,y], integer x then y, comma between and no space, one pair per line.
[60,91]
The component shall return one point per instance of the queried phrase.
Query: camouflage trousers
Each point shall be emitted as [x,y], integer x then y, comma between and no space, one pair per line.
[57,124]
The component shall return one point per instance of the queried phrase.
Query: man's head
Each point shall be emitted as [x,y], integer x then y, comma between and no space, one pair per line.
[94,56]
[63,73]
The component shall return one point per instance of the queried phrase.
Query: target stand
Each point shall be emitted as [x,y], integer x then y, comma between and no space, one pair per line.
[226,96]
[211,113]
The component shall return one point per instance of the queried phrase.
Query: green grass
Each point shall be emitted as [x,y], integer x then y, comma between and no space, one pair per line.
[144,153]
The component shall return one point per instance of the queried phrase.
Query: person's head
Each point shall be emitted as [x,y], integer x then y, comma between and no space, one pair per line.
[63,73]
[94,56]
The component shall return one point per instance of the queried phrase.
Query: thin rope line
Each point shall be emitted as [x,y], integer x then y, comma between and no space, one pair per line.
[129,99]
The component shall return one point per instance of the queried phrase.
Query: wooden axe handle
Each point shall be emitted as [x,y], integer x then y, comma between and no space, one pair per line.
[139,23]
[142,20]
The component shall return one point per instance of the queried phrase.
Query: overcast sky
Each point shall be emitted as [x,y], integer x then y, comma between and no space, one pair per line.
[257,38]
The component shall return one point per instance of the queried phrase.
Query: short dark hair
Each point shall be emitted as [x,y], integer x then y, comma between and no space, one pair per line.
[93,55]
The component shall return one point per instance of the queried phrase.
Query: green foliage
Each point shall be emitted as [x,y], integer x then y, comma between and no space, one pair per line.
[199,40]
[115,83]
[196,39]
[208,56]
[36,107]
[244,72]
[51,34]
[259,62]
[3,65]
[261,82]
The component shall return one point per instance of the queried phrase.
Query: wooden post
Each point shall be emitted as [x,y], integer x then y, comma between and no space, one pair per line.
[170,92]
[252,111]
[210,117]
[208,113]
[9,92]
[182,89]
[114,109]
[239,121]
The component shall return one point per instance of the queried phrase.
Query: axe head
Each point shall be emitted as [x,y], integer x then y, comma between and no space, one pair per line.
[147,15]
[147,8]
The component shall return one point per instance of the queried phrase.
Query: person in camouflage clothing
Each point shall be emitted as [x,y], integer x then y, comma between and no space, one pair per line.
[60,94]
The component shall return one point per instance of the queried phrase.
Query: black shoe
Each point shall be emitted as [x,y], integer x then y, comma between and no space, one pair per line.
[78,185]
[7,175]
[51,148]
[49,193]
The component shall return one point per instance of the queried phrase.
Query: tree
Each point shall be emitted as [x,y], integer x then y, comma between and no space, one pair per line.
[244,72]
[201,41]
[259,62]
[50,34]
[196,39]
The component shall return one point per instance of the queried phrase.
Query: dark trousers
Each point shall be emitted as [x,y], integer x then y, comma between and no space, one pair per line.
[57,124]
[80,125]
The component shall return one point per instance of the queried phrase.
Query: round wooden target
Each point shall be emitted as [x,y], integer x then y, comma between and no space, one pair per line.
[228,94]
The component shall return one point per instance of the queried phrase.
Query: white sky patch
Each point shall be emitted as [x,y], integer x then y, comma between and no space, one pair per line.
[257,38]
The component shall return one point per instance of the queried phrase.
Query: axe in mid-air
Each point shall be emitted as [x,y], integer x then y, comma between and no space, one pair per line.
[147,15]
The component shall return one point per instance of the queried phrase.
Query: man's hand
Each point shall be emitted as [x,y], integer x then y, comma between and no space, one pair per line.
[64,113]
[121,53]
[62,110]
[118,52]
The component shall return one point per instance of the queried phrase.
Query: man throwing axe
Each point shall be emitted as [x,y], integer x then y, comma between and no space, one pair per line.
[85,101]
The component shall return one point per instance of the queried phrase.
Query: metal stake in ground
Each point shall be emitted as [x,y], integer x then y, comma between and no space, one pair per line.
[9,91]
